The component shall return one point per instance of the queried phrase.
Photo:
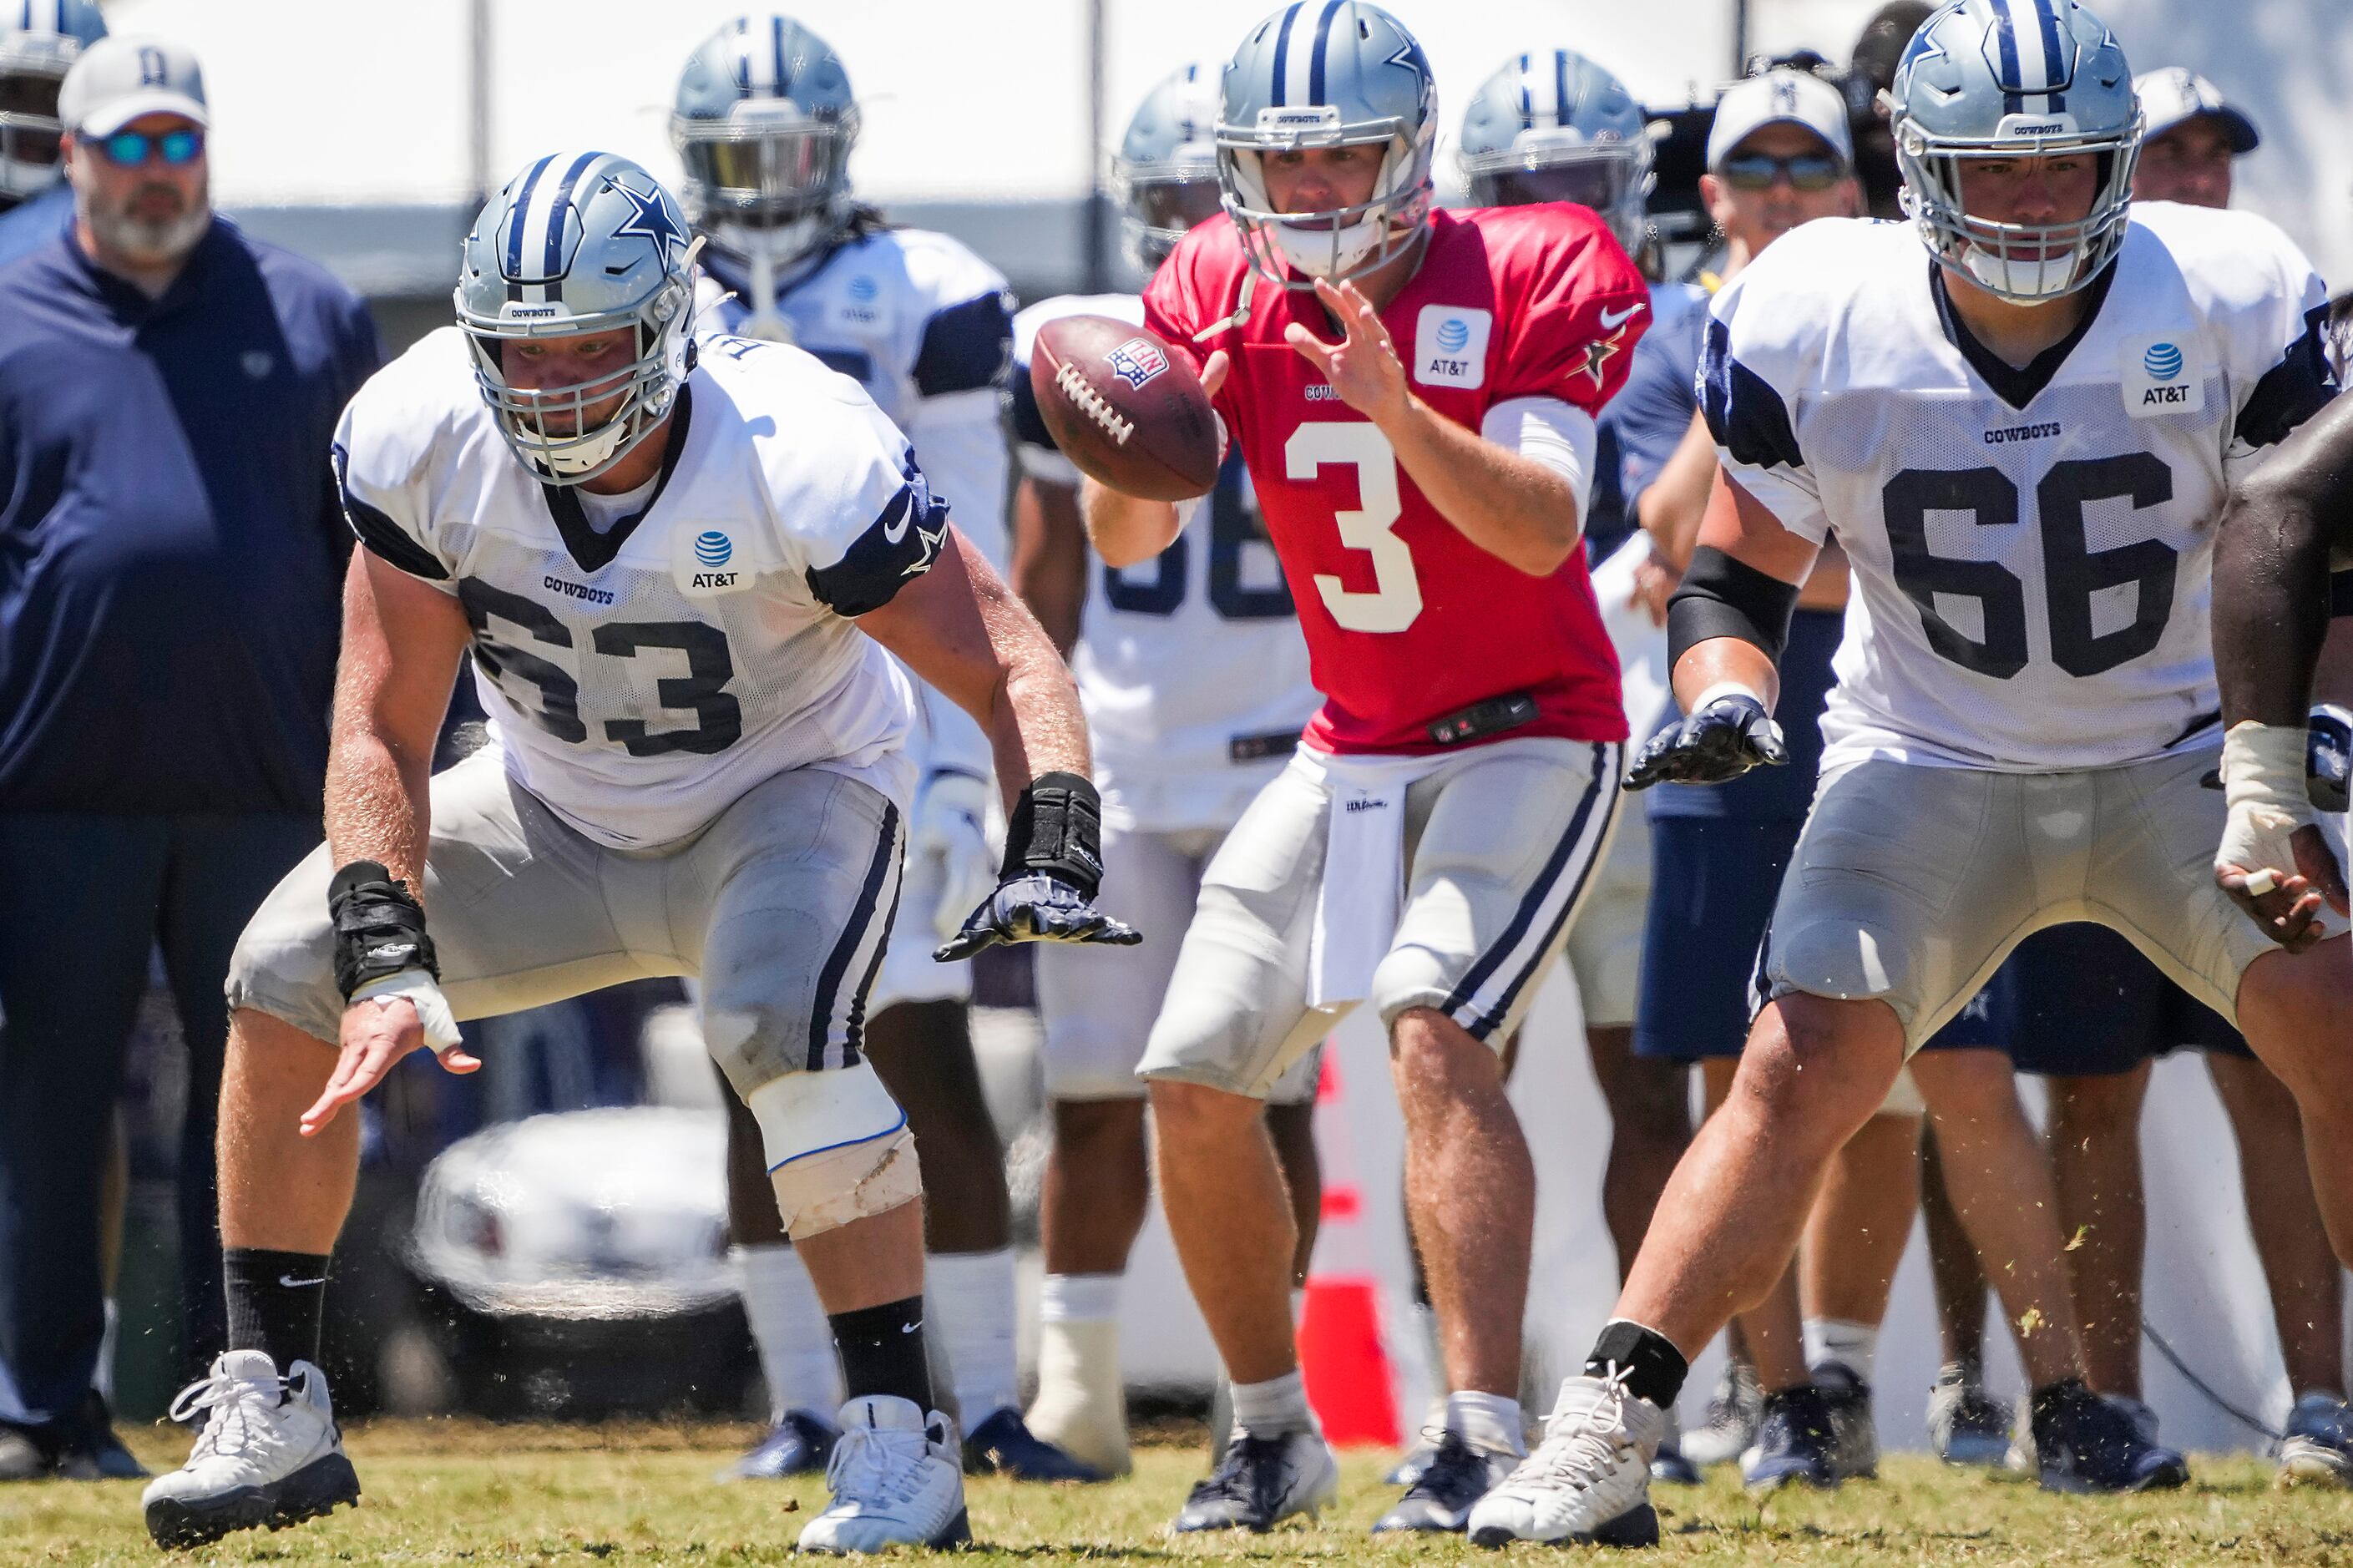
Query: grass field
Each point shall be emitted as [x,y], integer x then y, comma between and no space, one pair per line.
[453,1492]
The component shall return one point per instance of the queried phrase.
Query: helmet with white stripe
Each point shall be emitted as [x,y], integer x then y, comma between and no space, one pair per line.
[39,41]
[764,122]
[579,243]
[1166,174]
[1552,126]
[2007,79]
[1328,73]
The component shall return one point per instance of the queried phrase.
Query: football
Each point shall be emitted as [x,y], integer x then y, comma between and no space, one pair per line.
[1124,408]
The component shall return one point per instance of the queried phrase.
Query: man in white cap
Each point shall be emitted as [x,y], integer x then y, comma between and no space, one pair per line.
[2192,134]
[168,397]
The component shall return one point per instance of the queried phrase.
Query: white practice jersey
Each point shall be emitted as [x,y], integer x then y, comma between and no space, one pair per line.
[641,678]
[922,324]
[1191,665]
[2033,550]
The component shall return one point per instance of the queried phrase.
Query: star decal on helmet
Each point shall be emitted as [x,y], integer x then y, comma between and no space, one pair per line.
[653,219]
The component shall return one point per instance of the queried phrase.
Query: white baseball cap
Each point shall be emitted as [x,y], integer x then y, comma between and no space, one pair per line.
[1779,97]
[2177,95]
[121,77]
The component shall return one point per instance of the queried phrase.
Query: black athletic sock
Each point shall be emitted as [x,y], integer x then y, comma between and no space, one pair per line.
[2048,1402]
[276,1301]
[882,1352]
[1655,1369]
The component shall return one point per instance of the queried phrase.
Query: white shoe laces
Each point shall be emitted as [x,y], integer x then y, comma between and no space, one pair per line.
[867,1466]
[241,1409]
[1585,1454]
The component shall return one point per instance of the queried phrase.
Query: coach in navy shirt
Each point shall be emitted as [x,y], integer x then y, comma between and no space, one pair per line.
[170,553]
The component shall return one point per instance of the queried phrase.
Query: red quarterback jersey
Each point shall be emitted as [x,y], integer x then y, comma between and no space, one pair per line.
[1407,620]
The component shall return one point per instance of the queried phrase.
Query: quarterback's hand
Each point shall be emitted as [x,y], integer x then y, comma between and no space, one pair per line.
[1362,367]
[377,1032]
[1729,735]
[1035,907]
[951,829]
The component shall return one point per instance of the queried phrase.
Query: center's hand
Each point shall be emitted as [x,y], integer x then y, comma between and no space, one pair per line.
[1362,367]
[375,1034]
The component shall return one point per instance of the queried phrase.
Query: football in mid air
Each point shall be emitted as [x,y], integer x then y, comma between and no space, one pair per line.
[1124,408]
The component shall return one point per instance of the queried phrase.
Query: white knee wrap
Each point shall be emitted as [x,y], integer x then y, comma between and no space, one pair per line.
[838,1148]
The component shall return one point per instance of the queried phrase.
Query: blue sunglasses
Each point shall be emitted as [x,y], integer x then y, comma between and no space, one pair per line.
[129,149]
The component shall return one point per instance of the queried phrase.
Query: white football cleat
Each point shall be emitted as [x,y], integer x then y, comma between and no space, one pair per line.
[268,1454]
[897,1480]
[1589,1480]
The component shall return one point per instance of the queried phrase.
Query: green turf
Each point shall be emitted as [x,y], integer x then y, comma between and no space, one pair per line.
[443,1492]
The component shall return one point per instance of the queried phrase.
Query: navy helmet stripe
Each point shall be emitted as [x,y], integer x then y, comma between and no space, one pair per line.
[1322,46]
[777,47]
[2056,69]
[1528,103]
[743,54]
[1563,111]
[1283,47]
[552,268]
[517,214]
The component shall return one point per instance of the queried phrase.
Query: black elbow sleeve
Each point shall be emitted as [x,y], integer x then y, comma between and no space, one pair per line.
[1721,597]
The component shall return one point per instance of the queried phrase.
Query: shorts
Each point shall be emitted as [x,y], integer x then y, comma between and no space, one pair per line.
[2079,1001]
[1712,894]
[1605,940]
[781,906]
[1911,883]
[1500,842]
[1098,1003]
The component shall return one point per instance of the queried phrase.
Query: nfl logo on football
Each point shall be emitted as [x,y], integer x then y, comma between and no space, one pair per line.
[1136,360]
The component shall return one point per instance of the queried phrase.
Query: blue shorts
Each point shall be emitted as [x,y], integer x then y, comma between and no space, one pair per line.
[1713,883]
[2080,1001]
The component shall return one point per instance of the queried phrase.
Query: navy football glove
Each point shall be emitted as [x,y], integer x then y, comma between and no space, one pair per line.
[1035,907]
[1723,741]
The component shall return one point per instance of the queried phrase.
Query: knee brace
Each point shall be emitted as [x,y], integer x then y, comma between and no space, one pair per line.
[838,1148]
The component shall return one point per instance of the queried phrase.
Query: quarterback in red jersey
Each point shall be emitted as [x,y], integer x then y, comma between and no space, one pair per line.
[1414,394]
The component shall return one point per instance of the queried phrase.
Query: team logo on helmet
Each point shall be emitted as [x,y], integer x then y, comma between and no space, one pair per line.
[1136,360]
[654,219]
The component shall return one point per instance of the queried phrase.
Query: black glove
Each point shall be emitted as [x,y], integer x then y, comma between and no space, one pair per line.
[2329,757]
[1035,907]
[1724,740]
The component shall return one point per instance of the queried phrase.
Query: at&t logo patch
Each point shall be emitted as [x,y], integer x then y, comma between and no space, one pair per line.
[1449,345]
[2161,376]
[712,548]
[1136,360]
[703,562]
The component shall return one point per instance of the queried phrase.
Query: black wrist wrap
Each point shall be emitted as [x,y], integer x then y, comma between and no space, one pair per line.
[379,928]
[1057,827]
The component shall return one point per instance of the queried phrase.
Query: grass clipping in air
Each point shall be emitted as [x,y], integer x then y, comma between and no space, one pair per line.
[466,1493]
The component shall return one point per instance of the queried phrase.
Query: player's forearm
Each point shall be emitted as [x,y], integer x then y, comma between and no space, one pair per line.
[1126,530]
[377,803]
[2271,601]
[1670,510]
[1511,507]
[1725,661]
[1049,558]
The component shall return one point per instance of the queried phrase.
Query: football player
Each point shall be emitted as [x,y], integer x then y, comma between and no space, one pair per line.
[764,122]
[1194,677]
[2022,441]
[677,570]
[1413,392]
[39,41]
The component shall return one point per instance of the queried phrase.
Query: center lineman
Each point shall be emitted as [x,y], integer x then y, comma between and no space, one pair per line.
[677,581]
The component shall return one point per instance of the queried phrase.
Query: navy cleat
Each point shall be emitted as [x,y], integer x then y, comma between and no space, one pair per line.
[2083,1442]
[1262,1481]
[1795,1439]
[799,1444]
[1004,1445]
[2318,1445]
[1967,1425]
[1442,1496]
[1855,1432]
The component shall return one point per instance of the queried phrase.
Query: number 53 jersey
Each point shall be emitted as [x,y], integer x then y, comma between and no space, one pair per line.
[2032,548]
[642,678]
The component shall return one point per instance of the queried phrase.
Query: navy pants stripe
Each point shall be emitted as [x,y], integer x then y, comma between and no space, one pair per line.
[84,901]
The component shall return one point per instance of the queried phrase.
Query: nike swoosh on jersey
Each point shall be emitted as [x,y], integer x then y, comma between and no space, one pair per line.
[1612,320]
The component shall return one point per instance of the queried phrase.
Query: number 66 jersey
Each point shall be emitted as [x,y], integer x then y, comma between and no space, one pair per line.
[642,675]
[2032,548]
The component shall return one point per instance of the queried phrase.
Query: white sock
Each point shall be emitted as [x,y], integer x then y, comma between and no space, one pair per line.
[1853,1345]
[789,1325]
[1079,1299]
[1273,1408]
[972,1309]
[1491,1422]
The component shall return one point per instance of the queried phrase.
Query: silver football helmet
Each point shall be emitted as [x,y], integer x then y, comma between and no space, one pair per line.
[1552,126]
[39,41]
[2007,79]
[1328,73]
[578,243]
[764,122]
[1166,173]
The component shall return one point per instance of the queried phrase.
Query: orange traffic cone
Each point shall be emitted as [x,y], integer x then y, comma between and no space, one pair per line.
[1342,1354]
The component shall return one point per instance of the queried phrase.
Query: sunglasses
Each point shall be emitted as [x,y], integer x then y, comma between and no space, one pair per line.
[1758,170]
[129,149]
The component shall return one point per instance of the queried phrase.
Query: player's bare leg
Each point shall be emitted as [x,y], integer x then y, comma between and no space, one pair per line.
[1098,1186]
[279,1190]
[1230,1215]
[1649,1100]
[1847,1260]
[2284,1217]
[2093,1137]
[2294,1010]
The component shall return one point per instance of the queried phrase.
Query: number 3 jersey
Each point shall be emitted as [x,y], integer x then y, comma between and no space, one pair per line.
[1191,665]
[1407,620]
[641,678]
[2032,549]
